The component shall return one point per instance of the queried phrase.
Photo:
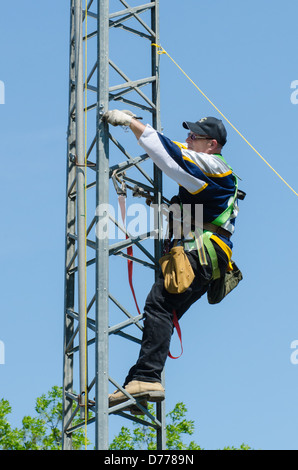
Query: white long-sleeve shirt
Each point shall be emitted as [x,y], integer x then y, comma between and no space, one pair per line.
[202,178]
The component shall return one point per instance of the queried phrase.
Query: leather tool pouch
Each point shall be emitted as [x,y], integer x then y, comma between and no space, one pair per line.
[177,271]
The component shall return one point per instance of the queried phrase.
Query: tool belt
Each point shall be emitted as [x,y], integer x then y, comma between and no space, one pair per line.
[176,268]
[178,273]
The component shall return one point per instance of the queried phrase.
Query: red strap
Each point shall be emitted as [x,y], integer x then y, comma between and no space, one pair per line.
[129,250]
[129,266]
[177,326]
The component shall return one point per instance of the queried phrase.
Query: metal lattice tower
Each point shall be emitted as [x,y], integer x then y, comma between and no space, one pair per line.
[102,32]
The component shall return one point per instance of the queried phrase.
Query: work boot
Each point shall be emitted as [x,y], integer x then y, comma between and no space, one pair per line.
[148,391]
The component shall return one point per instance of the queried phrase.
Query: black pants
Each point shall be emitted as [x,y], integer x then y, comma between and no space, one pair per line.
[158,318]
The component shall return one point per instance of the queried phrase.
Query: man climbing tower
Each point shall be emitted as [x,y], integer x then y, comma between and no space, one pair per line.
[204,178]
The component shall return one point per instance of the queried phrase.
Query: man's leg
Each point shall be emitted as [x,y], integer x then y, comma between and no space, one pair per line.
[158,323]
[145,375]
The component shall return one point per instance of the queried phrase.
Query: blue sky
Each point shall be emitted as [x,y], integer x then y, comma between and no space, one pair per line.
[235,376]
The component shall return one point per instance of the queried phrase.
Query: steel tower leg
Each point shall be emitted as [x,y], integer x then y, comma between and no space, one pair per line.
[102,244]
[156,122]
[97,84]
[69,296]
[80,183]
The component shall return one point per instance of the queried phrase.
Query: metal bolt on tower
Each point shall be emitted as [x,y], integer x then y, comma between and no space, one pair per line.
[112,65]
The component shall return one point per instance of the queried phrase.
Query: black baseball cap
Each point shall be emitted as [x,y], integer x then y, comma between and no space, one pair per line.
[209,126]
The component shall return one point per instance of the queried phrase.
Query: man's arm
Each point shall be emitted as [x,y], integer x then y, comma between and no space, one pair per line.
[164,153]
[137,127]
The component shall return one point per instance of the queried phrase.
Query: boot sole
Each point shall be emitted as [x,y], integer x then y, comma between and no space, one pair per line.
[153,396]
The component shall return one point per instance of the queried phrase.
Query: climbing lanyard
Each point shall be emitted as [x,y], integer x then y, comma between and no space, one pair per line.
[178,329]
[122,205]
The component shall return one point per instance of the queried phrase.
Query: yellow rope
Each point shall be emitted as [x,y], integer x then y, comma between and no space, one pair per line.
[85,197]
[161,50]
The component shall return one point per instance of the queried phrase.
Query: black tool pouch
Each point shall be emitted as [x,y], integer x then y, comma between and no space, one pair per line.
[220,288]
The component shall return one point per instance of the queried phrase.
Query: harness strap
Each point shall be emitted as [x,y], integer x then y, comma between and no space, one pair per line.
[212,253]
[200,242]
[226,214]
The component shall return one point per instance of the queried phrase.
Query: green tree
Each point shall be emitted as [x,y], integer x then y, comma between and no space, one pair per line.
[42,432]
[143,437]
